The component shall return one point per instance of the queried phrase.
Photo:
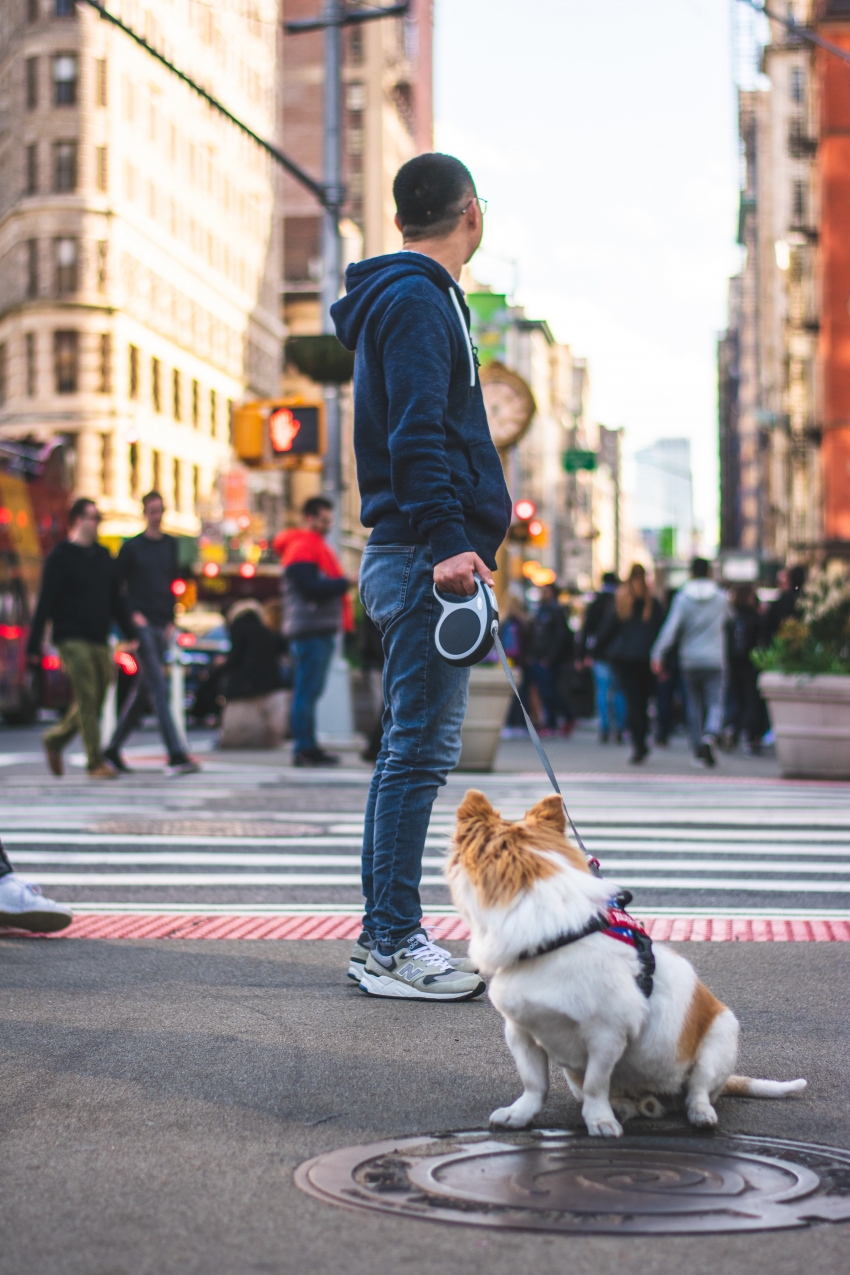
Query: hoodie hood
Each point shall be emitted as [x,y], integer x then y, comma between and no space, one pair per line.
[700,590]
[366,280]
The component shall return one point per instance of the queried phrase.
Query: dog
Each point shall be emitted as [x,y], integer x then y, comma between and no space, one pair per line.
[628,1023]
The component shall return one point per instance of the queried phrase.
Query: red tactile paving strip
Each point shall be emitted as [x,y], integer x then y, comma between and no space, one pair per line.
[99,925]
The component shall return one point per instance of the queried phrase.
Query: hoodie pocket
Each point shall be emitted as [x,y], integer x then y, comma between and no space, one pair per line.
[384,576]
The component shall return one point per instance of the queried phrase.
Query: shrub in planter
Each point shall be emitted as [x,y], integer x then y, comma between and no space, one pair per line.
[818,640]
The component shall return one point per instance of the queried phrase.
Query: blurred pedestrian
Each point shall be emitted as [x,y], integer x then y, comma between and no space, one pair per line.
[628,634]
[668,688]
[80,595]
[253,684]
[552,644]
[593,653]
[696,622]
[791,582]
[746,715]
[147,567]
[316,607]
[24,907]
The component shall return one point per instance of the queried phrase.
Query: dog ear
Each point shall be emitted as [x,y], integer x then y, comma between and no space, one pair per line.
[474,807]
[550,810]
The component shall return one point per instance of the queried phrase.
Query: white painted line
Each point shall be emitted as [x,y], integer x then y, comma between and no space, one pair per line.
[344,909]
[610,866]
[151,839]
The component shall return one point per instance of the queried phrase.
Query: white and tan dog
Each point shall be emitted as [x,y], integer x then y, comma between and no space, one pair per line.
[523,886]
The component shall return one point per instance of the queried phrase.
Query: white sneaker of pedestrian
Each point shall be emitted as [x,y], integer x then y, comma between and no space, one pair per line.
[23,906]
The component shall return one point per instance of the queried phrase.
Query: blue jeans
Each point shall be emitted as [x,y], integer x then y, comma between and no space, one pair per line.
[704,693]
[312,660]
[608,687]
[150,678]
[425,704]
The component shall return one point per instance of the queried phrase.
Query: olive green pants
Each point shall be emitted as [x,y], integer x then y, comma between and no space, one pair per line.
[90,667]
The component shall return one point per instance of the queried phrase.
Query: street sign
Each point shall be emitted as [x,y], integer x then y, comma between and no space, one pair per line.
[575,459]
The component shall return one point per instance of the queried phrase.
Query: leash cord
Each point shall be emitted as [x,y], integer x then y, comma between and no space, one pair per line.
[535,738]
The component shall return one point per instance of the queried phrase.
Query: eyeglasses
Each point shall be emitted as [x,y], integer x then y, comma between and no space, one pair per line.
[482,204]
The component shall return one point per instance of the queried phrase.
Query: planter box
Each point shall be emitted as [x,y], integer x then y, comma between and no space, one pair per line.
[259,722]
[810,714]
[489,698]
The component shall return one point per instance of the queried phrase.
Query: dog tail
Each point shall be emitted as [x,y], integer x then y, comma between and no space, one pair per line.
[746,1086]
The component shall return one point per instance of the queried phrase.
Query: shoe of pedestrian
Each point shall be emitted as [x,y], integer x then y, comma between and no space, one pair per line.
[181,766]
[23,906]
[698,761]
[103,771]
[314,757]
[365,944]
[619,737]
[706,749]
[604,737]
[727,740]
[55,761]
[116,761]
[751,748]
[639,755]
[418,971]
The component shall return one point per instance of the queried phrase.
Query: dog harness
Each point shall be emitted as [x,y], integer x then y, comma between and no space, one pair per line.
[616,924]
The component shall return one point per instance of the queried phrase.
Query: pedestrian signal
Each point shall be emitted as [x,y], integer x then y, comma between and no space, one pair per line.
[524,520]
[277,434]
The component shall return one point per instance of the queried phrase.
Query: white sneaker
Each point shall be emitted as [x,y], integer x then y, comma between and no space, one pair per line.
[418,971]
[24,907]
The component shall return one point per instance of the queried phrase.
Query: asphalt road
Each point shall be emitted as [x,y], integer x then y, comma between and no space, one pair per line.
[157,1096]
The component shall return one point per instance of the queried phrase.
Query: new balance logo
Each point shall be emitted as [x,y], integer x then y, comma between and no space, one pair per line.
[408,972]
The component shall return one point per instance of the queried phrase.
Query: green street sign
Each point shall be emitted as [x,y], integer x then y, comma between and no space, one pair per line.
[575,459]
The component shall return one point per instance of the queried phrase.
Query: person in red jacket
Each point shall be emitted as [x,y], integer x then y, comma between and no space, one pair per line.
[316,605]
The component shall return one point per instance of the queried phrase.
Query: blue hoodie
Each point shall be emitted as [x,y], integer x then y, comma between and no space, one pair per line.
[426,465]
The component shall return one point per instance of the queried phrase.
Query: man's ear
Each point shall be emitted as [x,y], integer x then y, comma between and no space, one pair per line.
[551,811]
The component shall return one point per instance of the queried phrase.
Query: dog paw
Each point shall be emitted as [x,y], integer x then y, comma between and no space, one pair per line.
[604,1127]
[511,1117]
[702,1114]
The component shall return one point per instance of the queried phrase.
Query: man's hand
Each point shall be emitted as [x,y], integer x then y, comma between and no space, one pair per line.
[454,575]
[139,620]
[658,670]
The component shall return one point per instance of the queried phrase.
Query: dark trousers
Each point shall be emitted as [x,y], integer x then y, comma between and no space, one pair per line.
[151,653]
[546,677]
[638,684]
[747,710]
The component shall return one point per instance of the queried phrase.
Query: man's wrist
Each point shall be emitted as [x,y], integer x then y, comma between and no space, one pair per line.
[448,540]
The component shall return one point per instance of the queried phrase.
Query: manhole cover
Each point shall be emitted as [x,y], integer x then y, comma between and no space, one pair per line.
[553,1180]
[203,828]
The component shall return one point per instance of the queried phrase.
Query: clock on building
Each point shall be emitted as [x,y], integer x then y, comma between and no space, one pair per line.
[509,403]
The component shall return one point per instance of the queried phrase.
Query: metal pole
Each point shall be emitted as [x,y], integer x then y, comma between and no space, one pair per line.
[331,247]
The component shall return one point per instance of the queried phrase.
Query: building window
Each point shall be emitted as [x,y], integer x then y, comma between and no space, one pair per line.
[176,484]
[32,169]
[156,466]
[32,267]
[64,8]
[134,470]
[106,464]
[799,202]
[156,385]
[230,421]
[196,486]
[66,266]
[134,371]
[64,166]
[4,373]
[31,365]
[798,84]
[32,83]
[105,363]
[101,265]
[100,83]
[65,80]
[177,406]
[213,413]
[355,45]
[101,171]
[196,404]
[66,361]
[32,11]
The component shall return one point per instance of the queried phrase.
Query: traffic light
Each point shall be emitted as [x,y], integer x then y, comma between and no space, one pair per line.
[524,517]
[275,434]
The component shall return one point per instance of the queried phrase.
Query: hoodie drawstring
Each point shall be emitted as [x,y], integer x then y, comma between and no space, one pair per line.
[465,330]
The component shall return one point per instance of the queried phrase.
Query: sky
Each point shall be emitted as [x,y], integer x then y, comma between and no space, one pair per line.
[604,138]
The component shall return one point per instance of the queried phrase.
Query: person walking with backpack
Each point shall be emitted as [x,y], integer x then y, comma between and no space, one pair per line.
[696,622]
[433,490]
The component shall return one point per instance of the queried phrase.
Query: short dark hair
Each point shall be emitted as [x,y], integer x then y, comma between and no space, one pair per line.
[151,495]
[315,505]
[78,509]
[428,193]
[699,568]
[797,576]
[610,577]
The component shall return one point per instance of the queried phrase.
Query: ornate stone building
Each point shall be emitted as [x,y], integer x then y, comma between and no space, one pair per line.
[140,242]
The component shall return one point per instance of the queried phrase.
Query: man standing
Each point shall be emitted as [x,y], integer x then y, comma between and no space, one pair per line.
[696,622]
[79,593]
[147,568]
[432,487]
[594,651]
[315,605]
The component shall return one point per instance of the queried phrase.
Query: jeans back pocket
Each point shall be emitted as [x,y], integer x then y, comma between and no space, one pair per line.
[384,576]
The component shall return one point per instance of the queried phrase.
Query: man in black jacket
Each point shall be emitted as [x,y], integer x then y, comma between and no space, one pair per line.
[79,593]
[147,568]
